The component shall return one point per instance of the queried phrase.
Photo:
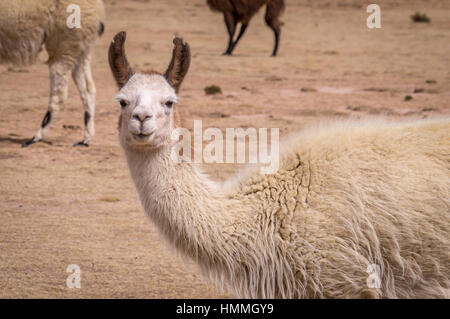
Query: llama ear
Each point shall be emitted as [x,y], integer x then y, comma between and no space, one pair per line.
[118,62]
[179,65]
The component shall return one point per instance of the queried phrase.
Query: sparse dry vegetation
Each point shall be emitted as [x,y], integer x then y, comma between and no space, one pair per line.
[420,17]
[213,89]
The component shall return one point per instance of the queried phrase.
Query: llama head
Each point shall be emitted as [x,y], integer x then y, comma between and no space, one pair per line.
[147,100]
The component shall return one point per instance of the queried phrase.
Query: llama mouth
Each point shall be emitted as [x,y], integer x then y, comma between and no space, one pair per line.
[142,136]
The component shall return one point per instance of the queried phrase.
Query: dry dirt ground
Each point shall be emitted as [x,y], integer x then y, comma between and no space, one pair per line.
[62,205]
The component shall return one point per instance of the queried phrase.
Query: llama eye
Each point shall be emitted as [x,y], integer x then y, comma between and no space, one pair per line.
[169,104]
[123,103]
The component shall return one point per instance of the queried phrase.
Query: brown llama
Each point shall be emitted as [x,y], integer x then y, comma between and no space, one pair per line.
[242,11]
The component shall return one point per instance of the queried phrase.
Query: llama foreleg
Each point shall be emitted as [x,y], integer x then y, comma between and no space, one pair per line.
[83,79]
[230,23]
[59,79]
[241,32]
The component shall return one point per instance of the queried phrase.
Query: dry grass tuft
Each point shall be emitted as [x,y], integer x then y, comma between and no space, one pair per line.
[213,89]
[420,18]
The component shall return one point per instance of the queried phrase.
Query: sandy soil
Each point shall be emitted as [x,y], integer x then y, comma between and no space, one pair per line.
[62,205]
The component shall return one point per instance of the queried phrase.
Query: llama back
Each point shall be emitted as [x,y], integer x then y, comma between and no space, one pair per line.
[363,195]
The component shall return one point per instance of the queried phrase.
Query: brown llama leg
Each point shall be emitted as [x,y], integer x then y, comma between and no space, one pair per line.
[241,32]
[272,13]
[230,22]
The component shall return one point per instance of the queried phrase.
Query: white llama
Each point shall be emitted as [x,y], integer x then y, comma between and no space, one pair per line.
[26,26]
[356,209]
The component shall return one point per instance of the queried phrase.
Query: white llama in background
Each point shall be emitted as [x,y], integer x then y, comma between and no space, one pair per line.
[26,26]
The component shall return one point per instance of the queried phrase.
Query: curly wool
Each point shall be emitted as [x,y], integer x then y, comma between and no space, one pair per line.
[346,196]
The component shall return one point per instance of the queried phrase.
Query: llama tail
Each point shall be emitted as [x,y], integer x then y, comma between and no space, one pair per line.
[101,29]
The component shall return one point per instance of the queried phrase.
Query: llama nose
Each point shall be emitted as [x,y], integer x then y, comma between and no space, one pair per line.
[142,115]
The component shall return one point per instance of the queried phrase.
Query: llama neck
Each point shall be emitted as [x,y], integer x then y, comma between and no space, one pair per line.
[187,208]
